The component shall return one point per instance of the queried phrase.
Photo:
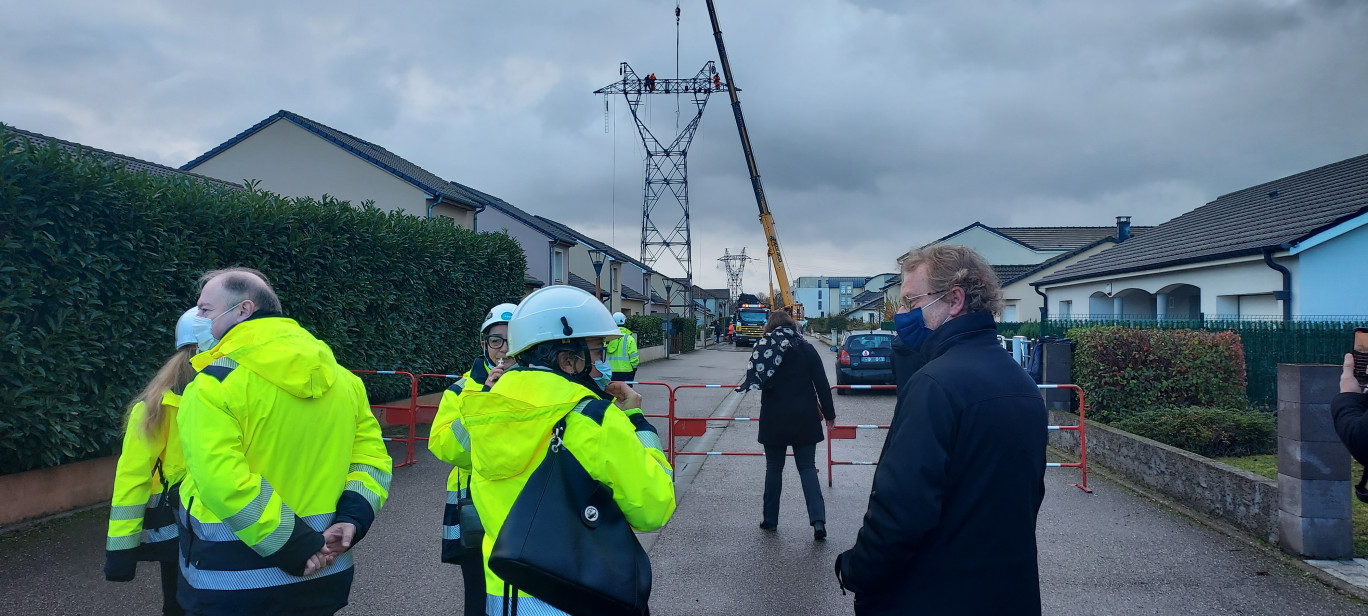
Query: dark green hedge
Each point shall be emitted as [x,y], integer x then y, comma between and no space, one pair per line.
[687,331]
[97,263]
[1125,371]
[648,329]
[1207,431]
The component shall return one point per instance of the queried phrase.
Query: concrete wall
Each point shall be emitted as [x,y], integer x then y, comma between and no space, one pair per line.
[292,161]
[47,491]
[1242,276]
[648,354]
[1323,286]
[1239,497]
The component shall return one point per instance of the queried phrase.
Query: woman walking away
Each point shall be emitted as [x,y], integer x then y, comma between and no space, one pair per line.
[142,518]
[794,397]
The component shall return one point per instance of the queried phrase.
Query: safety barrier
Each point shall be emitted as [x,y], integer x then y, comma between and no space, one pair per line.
[849,432]
[406,414]
[426,413]
[697,426]
[668,416]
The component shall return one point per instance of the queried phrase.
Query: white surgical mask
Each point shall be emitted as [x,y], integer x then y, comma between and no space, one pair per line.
[204,329]
[606,373]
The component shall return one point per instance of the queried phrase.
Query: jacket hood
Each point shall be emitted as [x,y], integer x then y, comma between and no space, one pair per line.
[512,421]
[279,350]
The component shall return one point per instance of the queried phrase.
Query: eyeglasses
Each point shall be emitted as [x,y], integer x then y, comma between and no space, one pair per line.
[910,302]
[598,353]
[496,342]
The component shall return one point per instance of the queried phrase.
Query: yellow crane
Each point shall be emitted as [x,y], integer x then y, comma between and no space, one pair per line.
[784,300]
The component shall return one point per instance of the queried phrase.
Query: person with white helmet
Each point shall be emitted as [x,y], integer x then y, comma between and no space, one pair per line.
[450,443]
[622,352]
[142,522]
[559,386]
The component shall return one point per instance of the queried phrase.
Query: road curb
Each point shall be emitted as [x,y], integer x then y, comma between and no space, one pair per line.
[1223,528]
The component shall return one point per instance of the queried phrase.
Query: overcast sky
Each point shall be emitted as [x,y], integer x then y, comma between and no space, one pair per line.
[877,124]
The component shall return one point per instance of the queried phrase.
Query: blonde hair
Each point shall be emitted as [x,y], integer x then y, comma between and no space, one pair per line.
[951,266]
[173,376]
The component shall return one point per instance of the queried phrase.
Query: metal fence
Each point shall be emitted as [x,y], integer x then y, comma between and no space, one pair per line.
[1267,343]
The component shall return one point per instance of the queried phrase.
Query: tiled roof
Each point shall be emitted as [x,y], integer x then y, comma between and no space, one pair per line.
[629,293]
[593,243]
[656,298]
[1048,238]
[868,296]
[1011,272]
[130,163]
[1271,215]
[531,220]
[588,285]
[532,282]
[374,154]
[872,304]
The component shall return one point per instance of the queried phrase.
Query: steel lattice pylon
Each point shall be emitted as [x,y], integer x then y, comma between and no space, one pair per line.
[736,265]
[667,166]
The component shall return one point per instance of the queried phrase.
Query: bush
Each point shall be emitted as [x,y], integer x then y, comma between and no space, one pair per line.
[649,330]
[1211,432]
[97,263]
[1126,371]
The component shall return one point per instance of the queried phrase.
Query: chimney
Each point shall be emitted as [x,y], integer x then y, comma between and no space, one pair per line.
[1122,228]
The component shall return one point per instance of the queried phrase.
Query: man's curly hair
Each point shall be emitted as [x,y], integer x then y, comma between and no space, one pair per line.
[949,266]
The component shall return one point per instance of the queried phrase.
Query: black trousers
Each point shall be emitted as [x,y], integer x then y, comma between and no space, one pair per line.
[169,573]
[624,376]
[804,457]
[473,579]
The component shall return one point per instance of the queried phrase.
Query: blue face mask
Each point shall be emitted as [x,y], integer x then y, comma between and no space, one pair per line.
[912,327]
[605,373]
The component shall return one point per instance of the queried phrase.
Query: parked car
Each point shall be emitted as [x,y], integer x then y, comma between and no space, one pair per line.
[865,359]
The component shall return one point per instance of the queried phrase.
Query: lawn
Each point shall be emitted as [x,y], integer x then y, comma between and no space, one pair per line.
[1267,465]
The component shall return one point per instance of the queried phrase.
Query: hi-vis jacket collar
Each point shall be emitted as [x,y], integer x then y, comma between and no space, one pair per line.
[513,420]
[278,350]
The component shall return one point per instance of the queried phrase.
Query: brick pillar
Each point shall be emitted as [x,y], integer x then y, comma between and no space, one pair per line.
[1313,466]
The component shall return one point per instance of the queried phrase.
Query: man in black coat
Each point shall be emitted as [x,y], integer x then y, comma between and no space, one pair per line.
[950,527]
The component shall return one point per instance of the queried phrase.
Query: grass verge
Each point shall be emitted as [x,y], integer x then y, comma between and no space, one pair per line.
[1267,465]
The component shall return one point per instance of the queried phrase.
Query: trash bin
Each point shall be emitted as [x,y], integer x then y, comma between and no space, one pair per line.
[1051,363]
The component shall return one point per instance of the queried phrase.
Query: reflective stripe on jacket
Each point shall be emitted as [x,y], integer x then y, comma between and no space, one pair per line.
[622,352]
[510,428]
[140,527]
[282,443]
[450,443]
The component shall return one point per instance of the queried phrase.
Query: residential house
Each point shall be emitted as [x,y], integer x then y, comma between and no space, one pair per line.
[1282,249]
[1021,256]
[621,275]
[292,155]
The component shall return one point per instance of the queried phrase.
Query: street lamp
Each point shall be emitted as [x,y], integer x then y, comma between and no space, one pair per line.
[597,256]
[669,297]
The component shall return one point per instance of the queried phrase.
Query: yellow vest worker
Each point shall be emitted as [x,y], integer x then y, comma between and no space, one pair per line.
[142,513]
[450,443]
[283,457]
[623,356]
[557,333]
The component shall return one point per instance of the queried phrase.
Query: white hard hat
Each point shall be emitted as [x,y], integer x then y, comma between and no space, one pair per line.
[185,331]
[498,314]
[558,312]
[619,319]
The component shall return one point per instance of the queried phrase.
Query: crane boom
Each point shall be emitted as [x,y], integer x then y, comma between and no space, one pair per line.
[766,219]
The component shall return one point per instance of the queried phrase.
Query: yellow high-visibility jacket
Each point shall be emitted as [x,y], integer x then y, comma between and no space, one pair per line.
[622,352]
[510,428]
[450,443]
[142,523]
[280,444]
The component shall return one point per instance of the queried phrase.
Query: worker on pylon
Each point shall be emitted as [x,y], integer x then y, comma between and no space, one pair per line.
[142,512]
[623,357]
[285,466]
[557,336]
[449,441]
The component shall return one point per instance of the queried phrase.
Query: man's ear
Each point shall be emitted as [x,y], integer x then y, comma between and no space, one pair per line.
[250,307]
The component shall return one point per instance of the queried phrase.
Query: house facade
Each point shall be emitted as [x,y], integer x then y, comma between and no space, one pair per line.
[1277,250]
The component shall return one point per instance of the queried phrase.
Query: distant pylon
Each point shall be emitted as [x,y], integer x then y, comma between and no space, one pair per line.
[736,265]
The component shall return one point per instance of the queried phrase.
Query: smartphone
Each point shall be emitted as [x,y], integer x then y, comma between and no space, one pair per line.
[1360,354]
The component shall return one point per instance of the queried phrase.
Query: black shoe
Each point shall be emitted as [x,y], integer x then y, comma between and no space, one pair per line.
[768,526]
[819,531]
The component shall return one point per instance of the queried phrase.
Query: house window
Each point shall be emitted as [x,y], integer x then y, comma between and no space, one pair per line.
[558,267]
[1065,309]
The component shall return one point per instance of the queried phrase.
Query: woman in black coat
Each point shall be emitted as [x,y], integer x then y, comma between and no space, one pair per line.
[794,398]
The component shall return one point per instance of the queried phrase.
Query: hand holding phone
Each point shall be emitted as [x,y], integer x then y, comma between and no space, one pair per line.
[1360,356]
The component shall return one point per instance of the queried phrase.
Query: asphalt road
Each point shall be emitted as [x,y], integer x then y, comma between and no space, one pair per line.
[1111,552]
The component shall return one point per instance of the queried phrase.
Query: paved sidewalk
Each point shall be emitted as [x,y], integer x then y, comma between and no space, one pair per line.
[1113,552]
